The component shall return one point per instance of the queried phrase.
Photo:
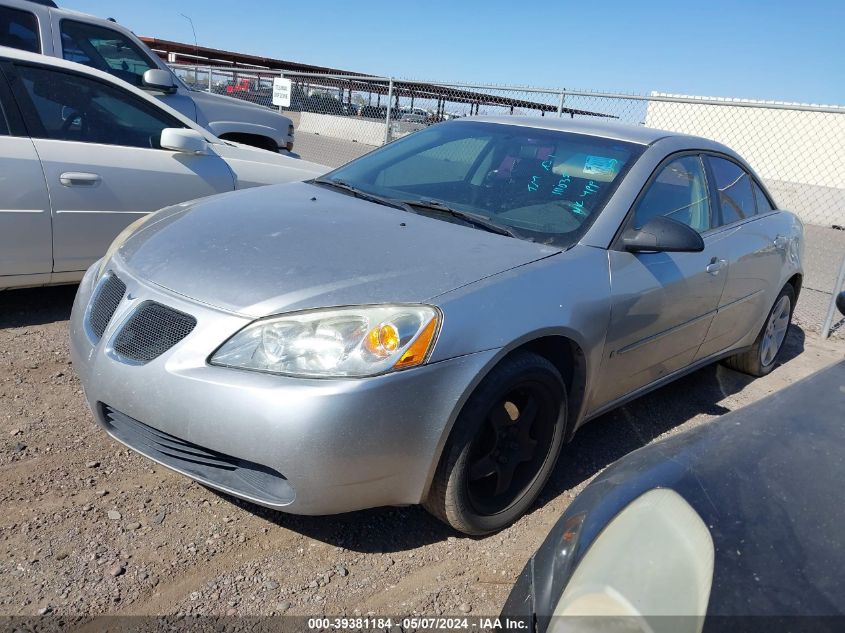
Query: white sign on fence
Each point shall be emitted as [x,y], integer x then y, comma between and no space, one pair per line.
[281,92]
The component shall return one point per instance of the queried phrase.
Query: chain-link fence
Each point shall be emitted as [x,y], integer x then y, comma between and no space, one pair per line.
[798,150]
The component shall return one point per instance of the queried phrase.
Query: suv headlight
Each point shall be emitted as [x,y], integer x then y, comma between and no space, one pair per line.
[333,343]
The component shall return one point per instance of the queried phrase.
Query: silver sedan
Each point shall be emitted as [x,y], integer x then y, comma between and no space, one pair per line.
[429,323]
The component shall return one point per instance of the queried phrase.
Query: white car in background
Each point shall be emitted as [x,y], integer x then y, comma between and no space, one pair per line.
[39,26]
[83,155]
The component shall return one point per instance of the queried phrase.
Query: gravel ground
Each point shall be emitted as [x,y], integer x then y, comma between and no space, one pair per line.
[87,527]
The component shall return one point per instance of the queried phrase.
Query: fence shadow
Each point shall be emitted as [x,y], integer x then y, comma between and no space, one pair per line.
[596,445]
[36,306]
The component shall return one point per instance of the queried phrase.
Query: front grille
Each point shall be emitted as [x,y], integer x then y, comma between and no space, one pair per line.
[151,331]
[104,303]
[238,475]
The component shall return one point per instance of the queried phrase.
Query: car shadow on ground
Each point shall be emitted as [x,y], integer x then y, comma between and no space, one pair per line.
[606,439]
[35,306]
[595,446]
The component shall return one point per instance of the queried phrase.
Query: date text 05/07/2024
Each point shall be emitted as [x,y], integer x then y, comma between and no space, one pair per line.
[418,623]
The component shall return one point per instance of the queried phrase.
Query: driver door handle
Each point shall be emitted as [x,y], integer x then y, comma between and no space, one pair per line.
[715,266]
[79,179]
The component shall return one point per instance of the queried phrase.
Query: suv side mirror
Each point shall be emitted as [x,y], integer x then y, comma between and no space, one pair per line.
[183,140]
[157,79]
[662,235]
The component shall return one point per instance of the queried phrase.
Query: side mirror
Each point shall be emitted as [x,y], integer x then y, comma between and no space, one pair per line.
[183,140]
[840,302]
[161,80]
[663,235]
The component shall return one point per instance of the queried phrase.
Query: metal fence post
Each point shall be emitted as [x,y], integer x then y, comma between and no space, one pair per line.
[389,108]
[840,280]
[210,84]
[560,106]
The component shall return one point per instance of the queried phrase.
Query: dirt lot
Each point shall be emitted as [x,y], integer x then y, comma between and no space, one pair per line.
[86,527]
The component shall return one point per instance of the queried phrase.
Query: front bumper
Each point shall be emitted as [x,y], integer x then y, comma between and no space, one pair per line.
[340,445]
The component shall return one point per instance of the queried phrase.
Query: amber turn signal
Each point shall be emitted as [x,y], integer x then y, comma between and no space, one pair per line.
[417,352]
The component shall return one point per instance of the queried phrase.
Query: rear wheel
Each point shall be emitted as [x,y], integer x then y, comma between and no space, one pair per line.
[503,448]
[760,359]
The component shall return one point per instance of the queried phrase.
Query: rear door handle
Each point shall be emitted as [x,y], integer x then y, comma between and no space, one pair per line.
[79,179]
[715,266]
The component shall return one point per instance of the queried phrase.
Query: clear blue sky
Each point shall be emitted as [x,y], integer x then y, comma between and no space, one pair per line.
[788,50]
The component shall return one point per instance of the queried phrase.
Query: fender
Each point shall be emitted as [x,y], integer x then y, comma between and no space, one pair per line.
[219,128]
[577,409]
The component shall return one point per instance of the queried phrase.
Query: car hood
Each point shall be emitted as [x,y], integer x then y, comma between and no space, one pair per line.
[223,107]
[253,166]
[297,246]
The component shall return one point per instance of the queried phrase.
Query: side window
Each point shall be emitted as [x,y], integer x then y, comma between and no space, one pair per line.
[104,49]
[19,29]
[679,192]
[69,107]
[763,204]
[736,200]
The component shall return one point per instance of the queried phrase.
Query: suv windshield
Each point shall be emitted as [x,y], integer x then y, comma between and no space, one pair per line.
[541,185]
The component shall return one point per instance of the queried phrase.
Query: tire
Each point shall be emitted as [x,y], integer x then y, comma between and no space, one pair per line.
[759,360]
[471,490]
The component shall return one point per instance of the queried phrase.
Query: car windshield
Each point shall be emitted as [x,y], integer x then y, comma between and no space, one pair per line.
[539,184]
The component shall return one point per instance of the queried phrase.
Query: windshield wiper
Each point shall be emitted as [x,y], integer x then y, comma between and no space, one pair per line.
[363,195]
[475,219]
[479,221]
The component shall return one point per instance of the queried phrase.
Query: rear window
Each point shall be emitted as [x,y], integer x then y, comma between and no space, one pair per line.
[763,204]
[19,29]
[734,185]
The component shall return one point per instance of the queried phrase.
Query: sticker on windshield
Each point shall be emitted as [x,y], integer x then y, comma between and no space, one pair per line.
[600,165]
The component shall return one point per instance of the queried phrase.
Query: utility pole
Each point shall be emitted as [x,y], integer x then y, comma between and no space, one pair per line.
[196,48]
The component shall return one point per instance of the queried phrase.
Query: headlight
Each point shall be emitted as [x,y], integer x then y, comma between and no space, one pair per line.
[649,569]
[119,240]
[357,341]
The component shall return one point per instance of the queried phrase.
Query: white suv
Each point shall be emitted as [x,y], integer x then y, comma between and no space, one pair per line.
[39,26]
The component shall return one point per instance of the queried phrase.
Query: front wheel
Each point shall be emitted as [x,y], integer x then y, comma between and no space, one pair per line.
[503,448]
[760,359]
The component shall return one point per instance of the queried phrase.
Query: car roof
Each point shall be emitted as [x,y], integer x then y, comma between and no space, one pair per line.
[593,126]
[55,62]
[51,4]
